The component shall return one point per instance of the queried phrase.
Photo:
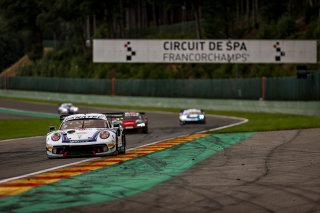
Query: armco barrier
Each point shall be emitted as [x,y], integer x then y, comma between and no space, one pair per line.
[288,107]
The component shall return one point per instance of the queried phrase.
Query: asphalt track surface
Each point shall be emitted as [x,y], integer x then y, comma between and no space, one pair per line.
[268,172]
[23,156]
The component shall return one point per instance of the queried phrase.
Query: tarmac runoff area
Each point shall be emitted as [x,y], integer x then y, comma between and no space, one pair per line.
[275,171]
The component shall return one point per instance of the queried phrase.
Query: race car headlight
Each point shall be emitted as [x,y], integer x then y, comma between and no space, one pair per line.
[141,125]
[201,116]
[183,117]
[75,109]
[104,134]
[55,136]
[139,121]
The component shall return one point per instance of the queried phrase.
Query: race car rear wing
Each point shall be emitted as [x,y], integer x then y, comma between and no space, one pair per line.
[114,114]
[115,118]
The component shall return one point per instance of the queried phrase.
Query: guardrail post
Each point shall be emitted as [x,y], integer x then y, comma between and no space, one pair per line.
[113,84]
[3,82]
[263,87]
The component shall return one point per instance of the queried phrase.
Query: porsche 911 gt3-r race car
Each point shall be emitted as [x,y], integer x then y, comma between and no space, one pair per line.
[86,134]
[67,109]
[192,116]
[135,121]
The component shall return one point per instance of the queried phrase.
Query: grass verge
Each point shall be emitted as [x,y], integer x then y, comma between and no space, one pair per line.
[18,128]
[269,122]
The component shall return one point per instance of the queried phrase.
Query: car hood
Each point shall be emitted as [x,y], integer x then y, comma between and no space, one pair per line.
[193,115]
[89,134]
[129,122]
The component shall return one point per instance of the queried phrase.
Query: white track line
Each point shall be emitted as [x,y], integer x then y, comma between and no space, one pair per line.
[15,139]
[243,120]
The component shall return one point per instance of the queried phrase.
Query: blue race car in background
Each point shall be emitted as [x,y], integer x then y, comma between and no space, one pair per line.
[192,116]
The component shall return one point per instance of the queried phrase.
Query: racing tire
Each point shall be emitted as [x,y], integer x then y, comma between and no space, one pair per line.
[145,130]
[182,123]
[115,153]
[124,144]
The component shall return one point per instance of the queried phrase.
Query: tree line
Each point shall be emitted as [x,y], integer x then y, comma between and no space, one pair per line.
[71,25]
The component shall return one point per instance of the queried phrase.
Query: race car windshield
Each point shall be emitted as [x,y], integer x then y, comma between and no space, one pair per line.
[192,112]
[84,123]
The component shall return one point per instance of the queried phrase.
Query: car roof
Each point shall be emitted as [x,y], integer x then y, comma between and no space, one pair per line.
[131,113]
[191,110]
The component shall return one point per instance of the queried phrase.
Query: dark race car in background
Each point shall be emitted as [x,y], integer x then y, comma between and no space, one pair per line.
[137,121]
[192,116]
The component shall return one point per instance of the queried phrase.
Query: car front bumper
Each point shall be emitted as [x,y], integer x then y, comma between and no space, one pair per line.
[60,151]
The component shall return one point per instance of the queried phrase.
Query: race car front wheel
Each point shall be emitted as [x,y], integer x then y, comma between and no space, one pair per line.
[122,149]
[116,152]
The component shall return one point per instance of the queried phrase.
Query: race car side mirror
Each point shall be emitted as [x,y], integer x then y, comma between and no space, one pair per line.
[52,128]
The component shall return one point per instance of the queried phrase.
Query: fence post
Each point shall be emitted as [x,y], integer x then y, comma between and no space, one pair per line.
[3,82]
[113,83]
[263,87]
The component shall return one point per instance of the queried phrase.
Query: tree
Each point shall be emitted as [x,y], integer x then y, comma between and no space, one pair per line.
[21,17]
[11,47]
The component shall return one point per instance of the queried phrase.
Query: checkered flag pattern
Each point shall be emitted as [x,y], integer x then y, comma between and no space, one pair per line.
[130,52]
[280,53]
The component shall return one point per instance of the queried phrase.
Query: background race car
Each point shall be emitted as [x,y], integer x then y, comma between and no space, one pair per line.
[135,121]
[85,134]
[68,109]
[192,116]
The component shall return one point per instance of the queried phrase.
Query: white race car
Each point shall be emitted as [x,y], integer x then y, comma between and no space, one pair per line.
[86,134]
[67,109]
[192,116]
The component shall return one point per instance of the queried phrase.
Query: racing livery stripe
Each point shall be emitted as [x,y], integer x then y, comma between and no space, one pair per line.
[24,184]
